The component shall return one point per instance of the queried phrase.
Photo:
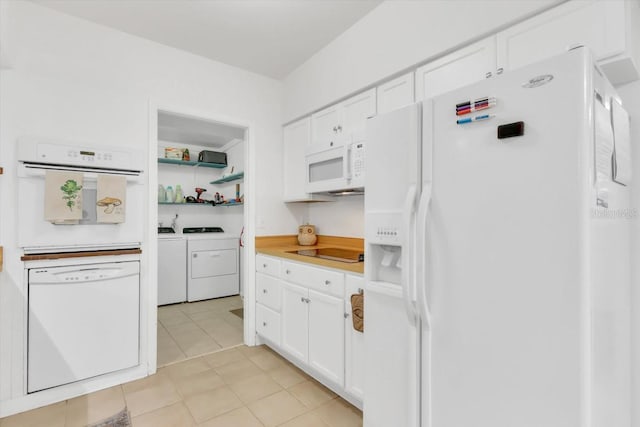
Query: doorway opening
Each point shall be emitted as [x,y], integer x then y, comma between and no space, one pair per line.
[201,221]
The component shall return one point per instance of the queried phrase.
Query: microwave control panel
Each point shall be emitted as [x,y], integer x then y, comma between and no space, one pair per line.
[358,160]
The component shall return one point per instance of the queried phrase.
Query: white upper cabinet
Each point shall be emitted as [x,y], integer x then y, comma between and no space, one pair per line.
[356,111]
[460,68]
[395,94]
[604,26]
[326,128]
[342,122]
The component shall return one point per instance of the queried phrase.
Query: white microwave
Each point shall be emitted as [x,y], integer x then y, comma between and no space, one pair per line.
[336,170]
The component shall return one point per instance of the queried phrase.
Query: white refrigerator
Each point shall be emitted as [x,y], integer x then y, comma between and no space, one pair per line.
[498,268]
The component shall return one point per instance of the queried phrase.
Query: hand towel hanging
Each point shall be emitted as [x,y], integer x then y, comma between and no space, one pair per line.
[111,199]
[63,197]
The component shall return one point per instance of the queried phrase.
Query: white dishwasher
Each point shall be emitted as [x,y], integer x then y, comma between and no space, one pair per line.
[83,322]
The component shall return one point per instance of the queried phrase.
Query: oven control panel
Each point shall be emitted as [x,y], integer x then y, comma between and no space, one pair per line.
[80,156]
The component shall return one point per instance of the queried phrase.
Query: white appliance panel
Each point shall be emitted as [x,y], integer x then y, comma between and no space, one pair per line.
[35,234]
[391,380]
[212,269]
[508,232]
[172,270]
[83,322]
[336,169]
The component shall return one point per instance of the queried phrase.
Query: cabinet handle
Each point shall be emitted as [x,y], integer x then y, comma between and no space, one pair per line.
[327,282]
[288,271]
[500,70]
[264,323]
[302,299]
[346,315]
[264,265]
[339,128]
[335,129]
[331,144]
[488,75]
[264,291]
[307,300]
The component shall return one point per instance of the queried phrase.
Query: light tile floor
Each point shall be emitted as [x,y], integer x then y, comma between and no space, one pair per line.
[193,329]
[239,387]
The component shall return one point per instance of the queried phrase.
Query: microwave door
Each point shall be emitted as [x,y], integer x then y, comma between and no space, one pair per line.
[326,171]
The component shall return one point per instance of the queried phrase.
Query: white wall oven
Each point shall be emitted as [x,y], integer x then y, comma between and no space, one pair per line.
[37,233]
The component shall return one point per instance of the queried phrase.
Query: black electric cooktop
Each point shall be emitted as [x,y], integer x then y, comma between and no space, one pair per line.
[335,254]
[188,230]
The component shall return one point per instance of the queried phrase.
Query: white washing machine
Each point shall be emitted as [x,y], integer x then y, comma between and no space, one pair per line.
[213,267]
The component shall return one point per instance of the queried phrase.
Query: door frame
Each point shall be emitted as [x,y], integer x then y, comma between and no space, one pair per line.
[150,255]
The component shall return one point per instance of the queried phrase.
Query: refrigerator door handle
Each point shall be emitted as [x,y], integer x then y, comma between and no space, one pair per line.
[422,254]
[407,254]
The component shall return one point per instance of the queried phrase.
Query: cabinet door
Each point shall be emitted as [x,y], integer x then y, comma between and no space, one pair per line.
[395,94]
[354,343]
[460,68]
[297,137]
[326,336]
[355,112]
[553,32]
[294,321]
[324,128]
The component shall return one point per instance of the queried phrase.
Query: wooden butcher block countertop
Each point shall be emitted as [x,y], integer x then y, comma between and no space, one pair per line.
[279,246]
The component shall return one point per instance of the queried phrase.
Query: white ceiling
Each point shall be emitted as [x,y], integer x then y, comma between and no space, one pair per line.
[269,37]
[196,131]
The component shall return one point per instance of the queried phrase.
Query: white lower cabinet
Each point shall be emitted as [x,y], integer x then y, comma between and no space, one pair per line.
[268,323]
[353,343]
[304,312]
[268,298]
[313,330]
[295,321]
[326,335]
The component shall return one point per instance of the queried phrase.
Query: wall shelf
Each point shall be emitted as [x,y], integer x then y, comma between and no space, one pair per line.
[229,178]
[193,164]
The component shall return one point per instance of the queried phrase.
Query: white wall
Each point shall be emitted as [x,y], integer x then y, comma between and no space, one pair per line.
[342,217]
[394,36]
[73,80]
[630,94]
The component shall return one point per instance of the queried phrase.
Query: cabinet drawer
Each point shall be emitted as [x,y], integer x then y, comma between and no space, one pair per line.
[320,279]
[268,323]
[267,265]
[268,291]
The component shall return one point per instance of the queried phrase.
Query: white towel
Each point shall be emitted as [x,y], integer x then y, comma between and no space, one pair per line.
[63,197]
[111,198]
